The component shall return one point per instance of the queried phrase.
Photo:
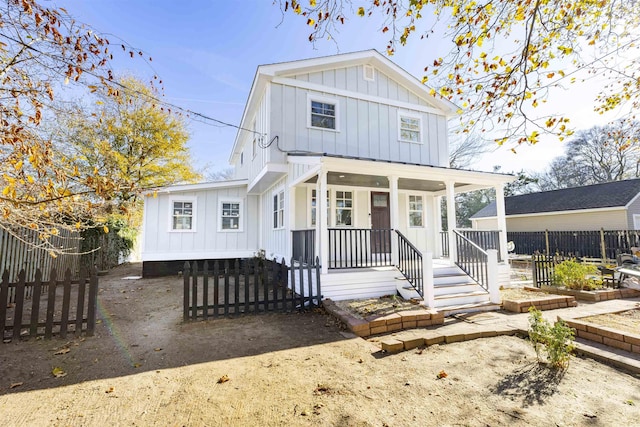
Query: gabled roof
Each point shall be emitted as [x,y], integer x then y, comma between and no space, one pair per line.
[266,73]
[596,196]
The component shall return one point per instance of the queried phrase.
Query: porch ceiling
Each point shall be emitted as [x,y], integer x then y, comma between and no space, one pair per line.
[375,181]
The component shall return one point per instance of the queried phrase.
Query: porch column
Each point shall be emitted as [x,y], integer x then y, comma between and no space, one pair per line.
[394,216]
[437,215]
[502,221]
[451,221]
[322,229]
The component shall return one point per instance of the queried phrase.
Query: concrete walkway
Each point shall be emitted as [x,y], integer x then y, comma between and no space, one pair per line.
[464,327]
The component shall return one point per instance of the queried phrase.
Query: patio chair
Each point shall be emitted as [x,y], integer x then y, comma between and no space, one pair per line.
[625,259]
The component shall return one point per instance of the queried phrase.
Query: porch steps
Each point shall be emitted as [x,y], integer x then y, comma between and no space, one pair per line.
[455,291]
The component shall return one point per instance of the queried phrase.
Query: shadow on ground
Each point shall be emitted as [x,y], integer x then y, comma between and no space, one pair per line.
[140,329]
[534,383]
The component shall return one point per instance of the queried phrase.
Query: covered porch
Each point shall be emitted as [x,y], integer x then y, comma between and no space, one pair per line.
[383,214]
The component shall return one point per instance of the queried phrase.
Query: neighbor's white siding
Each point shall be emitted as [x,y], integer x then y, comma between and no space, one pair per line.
[575,221]
[160,243]
[366,129]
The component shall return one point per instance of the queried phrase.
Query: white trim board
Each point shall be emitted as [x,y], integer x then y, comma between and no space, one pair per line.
[189,256]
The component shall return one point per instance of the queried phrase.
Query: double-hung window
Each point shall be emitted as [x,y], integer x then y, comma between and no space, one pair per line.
[344,208]
[182,215]
[322,113]
[278,209]
[416,211]
[230,215]
[409,127]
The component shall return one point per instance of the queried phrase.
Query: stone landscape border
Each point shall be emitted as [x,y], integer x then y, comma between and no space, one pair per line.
[594,296]
[542,303]
[605,335]
[373,325]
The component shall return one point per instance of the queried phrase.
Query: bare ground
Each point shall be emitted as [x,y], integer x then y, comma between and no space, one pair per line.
[144,367]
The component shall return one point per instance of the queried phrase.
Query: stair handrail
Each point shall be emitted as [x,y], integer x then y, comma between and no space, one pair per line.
[410,263]
[473,260]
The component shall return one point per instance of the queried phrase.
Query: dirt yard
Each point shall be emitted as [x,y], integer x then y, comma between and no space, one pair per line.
[144,367]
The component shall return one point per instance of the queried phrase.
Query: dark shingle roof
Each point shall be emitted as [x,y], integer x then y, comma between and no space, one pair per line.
[607,195]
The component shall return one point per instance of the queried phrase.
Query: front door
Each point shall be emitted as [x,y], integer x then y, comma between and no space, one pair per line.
[380,223]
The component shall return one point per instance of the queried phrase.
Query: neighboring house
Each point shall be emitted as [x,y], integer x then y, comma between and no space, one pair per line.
[355,128]
[612,206]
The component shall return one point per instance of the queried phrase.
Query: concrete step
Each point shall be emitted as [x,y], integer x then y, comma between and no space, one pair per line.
[469,308]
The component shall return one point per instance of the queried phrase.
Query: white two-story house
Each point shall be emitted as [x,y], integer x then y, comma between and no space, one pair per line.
[343,158]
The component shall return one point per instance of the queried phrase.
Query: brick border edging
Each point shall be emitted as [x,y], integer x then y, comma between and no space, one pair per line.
[604,335]
[542,304]
[598,295]
[382,324]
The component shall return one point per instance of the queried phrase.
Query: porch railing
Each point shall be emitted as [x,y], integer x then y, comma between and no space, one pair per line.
[444,240]
[473,260]
[410,263]
[304,245]
[486,239]
[359,248]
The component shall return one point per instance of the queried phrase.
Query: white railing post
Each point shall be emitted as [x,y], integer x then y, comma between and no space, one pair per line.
[427,274]
[492,276]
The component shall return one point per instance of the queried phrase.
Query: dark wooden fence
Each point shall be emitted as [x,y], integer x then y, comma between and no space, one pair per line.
[605,244]
[48,307]
[232,287]
[543,267]
[304,245]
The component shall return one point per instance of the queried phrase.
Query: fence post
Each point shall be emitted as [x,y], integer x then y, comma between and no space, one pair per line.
[92,302]
[492,276]
[603,246]
[427,273]
[546,241]
[186,273]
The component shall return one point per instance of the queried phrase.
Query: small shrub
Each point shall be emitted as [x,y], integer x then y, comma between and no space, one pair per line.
[574,275]
[556,340]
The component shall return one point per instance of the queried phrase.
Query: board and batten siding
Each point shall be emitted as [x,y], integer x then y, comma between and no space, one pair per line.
[275,241]
[352,79]
[163,244]
[254,162]
[366,129]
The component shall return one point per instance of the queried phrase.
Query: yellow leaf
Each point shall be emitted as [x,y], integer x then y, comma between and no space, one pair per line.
[361,11]
[310,22]
[30,179]
[105,229]
[18,165]
[6,190]
[312,3]
[58,372]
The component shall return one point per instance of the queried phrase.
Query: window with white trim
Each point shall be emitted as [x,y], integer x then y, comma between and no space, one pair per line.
[409,127]
[182,215]
[312,219]
[369,73]
[230,215]
[416,211]
[278,209]
[323,113]
[344,208]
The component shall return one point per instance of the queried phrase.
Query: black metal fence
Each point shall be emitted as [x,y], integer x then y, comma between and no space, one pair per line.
[410,263]
[605,244]
[486,239]
[359,247]
[232,287]
[48,307]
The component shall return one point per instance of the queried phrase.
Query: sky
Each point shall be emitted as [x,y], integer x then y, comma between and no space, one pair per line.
[207,52]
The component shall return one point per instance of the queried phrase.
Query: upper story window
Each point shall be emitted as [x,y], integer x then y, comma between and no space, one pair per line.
[416,211]
[409,127]
[230,215]
[183,215]
[278,209]
[344,208]
[323,113]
